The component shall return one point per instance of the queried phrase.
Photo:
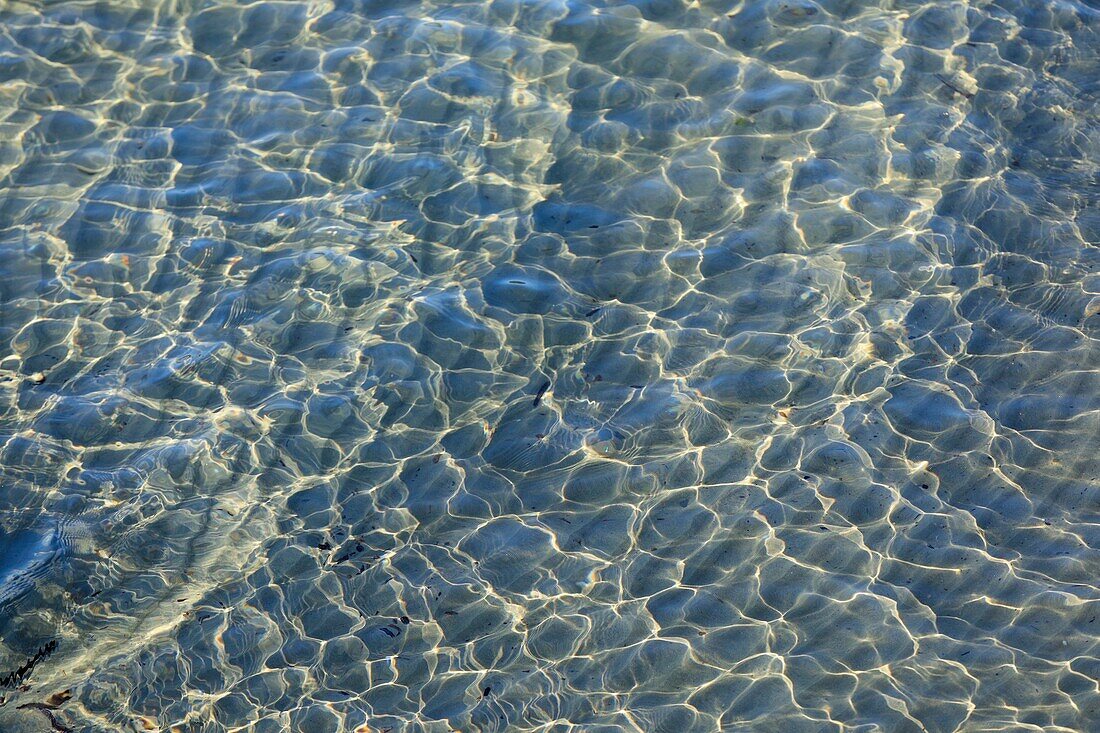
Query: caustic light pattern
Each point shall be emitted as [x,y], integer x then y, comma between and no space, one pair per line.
[724,365]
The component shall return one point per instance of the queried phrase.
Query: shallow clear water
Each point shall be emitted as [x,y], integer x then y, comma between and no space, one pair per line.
[549,366]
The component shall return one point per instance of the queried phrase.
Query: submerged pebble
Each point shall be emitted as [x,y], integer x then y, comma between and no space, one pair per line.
[604,442]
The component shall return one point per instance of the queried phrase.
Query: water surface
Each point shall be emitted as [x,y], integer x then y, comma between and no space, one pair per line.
[550,366]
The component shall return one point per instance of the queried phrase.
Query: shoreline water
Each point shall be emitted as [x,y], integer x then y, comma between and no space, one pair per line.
[547,366]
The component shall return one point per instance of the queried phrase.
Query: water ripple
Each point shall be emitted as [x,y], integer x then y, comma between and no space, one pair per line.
[391,365]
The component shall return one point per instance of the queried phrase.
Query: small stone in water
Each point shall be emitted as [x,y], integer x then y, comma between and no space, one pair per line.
[604,442]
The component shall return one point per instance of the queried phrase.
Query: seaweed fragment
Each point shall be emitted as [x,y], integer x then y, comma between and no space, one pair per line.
[541,392]
[391,630]
[16,676]
[952,87]
[349,554]
[48,712]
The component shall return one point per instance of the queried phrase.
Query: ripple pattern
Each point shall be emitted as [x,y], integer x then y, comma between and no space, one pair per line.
[556,365]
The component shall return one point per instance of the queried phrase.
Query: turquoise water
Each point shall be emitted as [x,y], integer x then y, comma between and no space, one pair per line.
[720,365]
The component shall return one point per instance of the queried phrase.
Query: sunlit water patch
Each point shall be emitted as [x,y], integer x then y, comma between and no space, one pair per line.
[549,366]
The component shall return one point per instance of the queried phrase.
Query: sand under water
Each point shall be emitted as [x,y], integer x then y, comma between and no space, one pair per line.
[550,366]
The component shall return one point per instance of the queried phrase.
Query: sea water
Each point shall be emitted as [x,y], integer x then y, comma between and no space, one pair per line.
[550,365]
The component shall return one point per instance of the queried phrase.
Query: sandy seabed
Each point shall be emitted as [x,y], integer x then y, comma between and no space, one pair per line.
[550,366]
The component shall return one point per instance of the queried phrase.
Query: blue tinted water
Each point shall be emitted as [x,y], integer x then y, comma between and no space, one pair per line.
[724,365]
